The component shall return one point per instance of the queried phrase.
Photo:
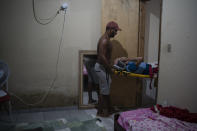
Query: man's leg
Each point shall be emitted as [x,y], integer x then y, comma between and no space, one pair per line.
[97,89]
[106,105]
[103,106]
[110,107]
[100,105]
[103,91]
[90,88]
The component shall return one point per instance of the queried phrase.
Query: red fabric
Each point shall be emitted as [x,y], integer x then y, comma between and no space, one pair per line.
[5,98]
[151,76]
[150,71]
[174,112]
[155,70]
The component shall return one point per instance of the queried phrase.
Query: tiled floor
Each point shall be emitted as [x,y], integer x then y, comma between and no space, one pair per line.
[70,113]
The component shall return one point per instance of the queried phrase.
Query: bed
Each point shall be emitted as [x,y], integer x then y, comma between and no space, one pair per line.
[146,120]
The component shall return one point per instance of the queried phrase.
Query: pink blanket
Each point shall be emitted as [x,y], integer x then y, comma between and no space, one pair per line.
[146,120]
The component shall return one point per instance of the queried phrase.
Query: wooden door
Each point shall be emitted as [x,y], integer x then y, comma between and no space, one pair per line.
[126,13]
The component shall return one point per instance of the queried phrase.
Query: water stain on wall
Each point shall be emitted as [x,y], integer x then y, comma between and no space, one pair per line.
[52,100]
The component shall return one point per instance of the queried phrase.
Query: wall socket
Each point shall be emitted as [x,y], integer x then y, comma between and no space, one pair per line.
[165,103]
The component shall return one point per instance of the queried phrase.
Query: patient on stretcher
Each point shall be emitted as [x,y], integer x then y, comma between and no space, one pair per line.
[133,65]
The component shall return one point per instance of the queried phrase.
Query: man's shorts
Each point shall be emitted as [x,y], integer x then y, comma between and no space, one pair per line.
[104,79]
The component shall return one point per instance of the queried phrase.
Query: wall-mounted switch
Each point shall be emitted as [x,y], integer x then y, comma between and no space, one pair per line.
[169,47]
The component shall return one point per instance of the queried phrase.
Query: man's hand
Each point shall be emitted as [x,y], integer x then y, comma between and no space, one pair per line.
[112,71]
[109,70]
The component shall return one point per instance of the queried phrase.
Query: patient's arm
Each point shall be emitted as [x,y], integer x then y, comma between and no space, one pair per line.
[136,59]
[126,60]
[123,59]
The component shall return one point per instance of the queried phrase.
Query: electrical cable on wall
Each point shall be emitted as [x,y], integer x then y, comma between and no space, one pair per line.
[38,19]
[63,8]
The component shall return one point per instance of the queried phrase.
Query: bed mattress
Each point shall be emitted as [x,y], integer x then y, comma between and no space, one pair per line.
[146,120]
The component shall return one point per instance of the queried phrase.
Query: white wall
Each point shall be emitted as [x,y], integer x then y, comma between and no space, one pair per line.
[177,76]
[31,49]
[152,23]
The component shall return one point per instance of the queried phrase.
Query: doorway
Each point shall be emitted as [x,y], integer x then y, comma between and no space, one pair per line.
[149,36]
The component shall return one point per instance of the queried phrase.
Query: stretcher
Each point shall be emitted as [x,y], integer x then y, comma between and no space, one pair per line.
[125,73]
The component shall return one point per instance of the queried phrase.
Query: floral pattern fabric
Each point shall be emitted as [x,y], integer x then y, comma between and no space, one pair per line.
[146,120]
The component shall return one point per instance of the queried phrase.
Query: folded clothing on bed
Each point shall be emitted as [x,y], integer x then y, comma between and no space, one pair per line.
[146,120]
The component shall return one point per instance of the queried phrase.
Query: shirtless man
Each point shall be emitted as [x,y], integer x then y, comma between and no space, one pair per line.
[103,67]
